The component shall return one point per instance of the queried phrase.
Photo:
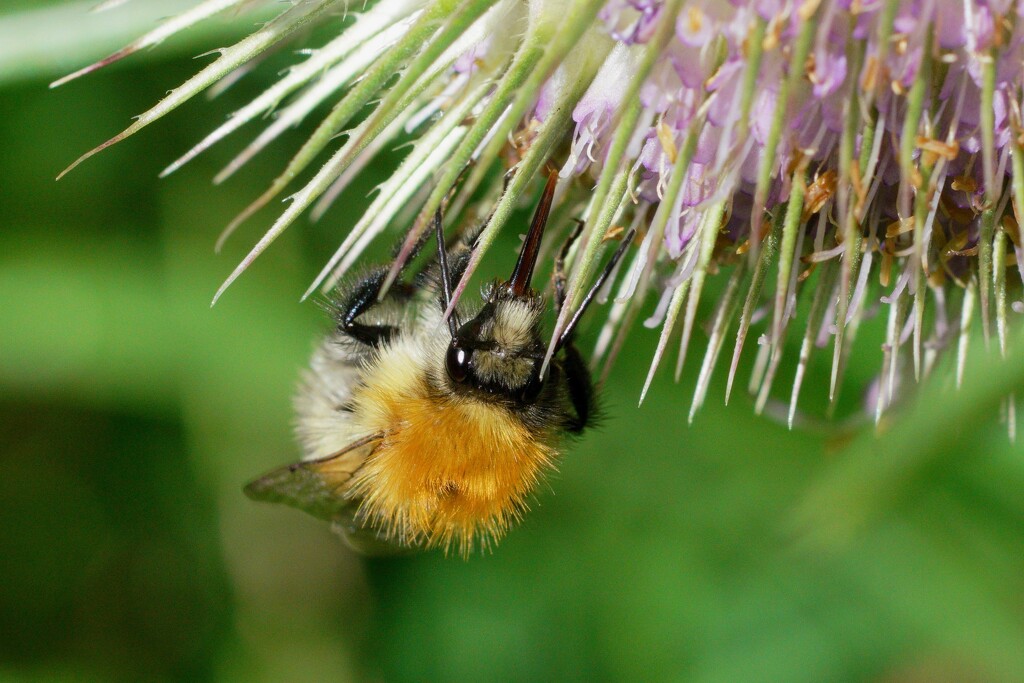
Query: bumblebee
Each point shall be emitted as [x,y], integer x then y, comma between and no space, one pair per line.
[422,432]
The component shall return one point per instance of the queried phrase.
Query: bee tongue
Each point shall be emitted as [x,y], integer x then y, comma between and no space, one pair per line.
[519,283]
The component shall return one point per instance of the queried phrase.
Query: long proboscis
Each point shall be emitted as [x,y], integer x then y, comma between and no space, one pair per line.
[519,283]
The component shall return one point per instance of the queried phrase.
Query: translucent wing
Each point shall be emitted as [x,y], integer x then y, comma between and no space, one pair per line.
[315,486]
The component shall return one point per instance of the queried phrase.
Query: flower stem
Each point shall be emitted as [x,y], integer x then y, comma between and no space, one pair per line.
[988,216]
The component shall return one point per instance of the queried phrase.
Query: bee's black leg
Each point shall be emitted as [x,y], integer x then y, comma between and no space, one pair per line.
[570,328]
[364,295]
[581,389]
[361,298]
[558,273]
[577,376]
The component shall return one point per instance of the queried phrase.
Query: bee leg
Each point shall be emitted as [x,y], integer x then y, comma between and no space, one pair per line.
[363,297]
[570,328]
[581,389]
[558,273]
[577,376]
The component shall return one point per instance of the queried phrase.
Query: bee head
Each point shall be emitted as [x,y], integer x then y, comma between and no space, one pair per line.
[500,351]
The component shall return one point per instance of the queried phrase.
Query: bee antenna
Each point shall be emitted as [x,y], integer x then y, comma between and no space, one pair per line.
[570,328]
[446,280]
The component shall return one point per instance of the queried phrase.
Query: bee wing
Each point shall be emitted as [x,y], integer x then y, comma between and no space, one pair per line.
[315,486]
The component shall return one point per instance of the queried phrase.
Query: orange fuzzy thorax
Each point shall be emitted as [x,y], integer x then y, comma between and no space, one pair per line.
[447,470]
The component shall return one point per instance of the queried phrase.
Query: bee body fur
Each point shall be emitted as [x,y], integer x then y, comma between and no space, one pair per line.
[445,467]
[423,432]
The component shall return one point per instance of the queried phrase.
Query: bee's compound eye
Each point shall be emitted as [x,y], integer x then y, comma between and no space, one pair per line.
[457,363]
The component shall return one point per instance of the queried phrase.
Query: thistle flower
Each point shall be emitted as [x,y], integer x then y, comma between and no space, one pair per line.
[864,155]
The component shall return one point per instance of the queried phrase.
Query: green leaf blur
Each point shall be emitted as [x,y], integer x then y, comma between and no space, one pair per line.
[131,414]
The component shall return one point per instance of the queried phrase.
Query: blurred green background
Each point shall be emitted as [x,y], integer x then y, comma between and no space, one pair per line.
[131,413]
